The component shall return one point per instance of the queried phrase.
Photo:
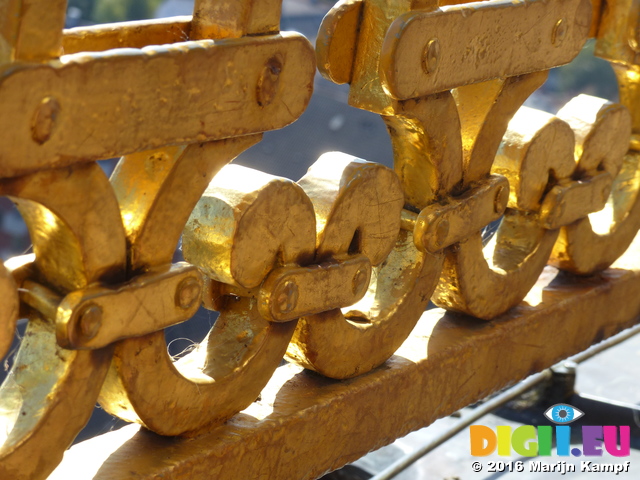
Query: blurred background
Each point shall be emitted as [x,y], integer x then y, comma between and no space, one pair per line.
[329,124]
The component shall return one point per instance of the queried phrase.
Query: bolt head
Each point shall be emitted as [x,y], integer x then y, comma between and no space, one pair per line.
[268,81]
[559,32]
[359,282]
[501,200]
[44,120]
[431,56]
[286,297]
[90,320]
[441,231]
[634,37]
[188,293]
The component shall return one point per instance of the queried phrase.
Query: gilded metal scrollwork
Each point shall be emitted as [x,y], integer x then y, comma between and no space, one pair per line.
[333,270]
[50,392]
[358,206]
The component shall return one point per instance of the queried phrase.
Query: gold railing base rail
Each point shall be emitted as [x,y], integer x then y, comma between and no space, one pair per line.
[305,425]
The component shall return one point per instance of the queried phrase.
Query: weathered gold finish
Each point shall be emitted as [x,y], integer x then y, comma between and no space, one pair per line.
[367,90]
[448,362]
[60,207]
[204,387]
[50,392]
[440,225]
[139,34]
[8,310]
[348,342]
[428,52]
[537,157]
[334,270]
[564,205]
[357,207]
[97,316]
[40,298]
[536,153]
[111,85]
[602,132]
[235,18]
[618,32]
[26,34]
[220,377]
[513,262]
[485,112]
[289,293]
[197,386]
[337,40]
[603,236]
[488,284]
[240,209]
[427,151]
[170,177]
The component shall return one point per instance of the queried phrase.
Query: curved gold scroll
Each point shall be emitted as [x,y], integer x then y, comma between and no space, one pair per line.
[521,246]
[603,132]
[8,310]
[470,282]
[77,236]
[185,397]
[358,207]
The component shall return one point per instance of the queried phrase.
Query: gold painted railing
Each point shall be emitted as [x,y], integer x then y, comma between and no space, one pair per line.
[333,271]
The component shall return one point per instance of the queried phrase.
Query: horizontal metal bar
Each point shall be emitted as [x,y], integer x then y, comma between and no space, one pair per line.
[98,105]
[404,462]
[505,397]
[426,52]
[304,425]
[138,34]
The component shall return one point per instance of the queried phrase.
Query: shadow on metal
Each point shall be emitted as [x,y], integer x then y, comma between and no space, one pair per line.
[350,472]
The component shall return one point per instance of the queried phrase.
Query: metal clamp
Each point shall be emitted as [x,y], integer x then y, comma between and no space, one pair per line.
[292,292]
[97,316]
[564,204]
[443,224]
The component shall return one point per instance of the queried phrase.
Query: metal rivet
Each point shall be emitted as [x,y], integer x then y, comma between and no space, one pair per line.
[44,120]
[501,199]
[634,38]
[359,281]
[441,232]
[188,293]
[431,56]
[559,32]
[267,87]
[286,297]
[90,320]
[560,209]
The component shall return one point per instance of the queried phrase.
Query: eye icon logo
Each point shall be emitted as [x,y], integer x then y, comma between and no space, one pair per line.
[562,413]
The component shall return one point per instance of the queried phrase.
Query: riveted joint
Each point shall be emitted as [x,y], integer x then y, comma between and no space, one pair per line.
[267,87]
[564,204]
[97,316]
[431,56]
[292,292]
[443,224]
[189,292]
[90,321]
